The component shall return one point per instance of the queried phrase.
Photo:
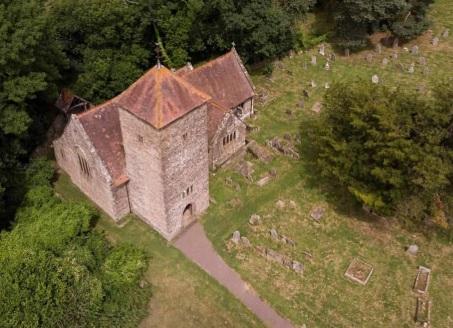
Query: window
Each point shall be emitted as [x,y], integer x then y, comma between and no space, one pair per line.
[140,138]
[84,168]
[230,137]
[184,136]
[187,192]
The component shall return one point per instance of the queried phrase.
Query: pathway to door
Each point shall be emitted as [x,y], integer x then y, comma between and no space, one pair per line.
[197,247]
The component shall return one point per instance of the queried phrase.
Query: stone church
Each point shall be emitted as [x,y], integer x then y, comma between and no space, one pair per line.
[148,151]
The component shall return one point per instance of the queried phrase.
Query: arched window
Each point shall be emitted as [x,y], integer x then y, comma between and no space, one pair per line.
[84,168]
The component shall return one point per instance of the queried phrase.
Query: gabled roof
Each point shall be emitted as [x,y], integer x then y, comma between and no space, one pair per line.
[160,97]
[225,79]
[102,125]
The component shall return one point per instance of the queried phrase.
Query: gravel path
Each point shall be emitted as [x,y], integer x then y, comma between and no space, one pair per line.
[197,247]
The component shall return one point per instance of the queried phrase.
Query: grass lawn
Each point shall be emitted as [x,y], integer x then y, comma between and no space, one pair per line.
[183,294]
[323,297]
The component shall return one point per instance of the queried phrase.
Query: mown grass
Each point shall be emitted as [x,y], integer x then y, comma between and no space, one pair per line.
[183,294]
[323,297]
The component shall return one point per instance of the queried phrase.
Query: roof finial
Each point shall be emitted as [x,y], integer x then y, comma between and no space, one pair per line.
[233,44]
[158,54]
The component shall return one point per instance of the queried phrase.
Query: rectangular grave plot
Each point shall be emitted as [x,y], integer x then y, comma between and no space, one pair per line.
[359,271]
[422,279]
[423,312]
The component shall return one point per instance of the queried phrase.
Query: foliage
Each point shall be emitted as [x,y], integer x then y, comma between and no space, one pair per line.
[355,19]
[55,271]
[306,41]
[385,146]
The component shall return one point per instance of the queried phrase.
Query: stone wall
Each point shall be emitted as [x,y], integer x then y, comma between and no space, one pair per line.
[218,152]
[97,185]
[142,147]
[247,108]
[185,167]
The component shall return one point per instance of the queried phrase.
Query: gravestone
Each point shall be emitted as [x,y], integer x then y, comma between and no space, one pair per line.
[395,43]
[385,61]
[302,103]
[422,60]
[236,238]
[327,66]
[317,106]
[246,242]
[378,48]
[411,68]
[313,60]
[305,65]
[375,79]
[297,267]
[313,84]
[333,57]
[280,204]
[414,50]
[317,213]
[412,250]
[435,41]
[445,33]
[346,52]
[369,57]
[255,219]
[395,55]
[274,234]
[327,85]
[322,50]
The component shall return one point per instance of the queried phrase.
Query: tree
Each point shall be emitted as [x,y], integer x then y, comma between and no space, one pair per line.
[55,271]
[356,19]
[387,147]
[30,62]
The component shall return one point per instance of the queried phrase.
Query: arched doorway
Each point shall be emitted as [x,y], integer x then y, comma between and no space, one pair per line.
[187,215]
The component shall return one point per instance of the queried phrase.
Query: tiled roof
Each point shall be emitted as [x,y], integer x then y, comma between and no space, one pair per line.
[102,124]
[224,79]
[160,97]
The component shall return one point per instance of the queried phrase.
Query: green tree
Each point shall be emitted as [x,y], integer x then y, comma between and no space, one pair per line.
[55,271]
[387,146]
[30,62]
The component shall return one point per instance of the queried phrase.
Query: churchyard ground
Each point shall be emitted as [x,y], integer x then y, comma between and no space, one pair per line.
[322,296]
[182,294]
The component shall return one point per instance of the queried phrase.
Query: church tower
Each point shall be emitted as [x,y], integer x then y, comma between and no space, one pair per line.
[164,126]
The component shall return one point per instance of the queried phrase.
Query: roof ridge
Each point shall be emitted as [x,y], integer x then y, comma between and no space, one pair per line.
[97,107]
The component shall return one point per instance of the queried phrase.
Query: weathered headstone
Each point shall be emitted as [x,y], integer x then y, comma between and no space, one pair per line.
[445,33]
[305,64]
[280,204]
[263,181]
[395,43]
[313,84]
[414,50]
[317,213]
[322,49]
[411,69]
[422,60]
[245,242]
[236,238]
[274,234]
[298,267]
[395,55]
[412,250]
[385,61]
[347,52]
[369,57]
[255,219]
[313,60]
[317,106]
[327,85]
[327,66]
[435,41]
[375,79]
[378,48]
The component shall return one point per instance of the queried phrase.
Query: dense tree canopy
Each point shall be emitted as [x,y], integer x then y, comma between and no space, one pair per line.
[356,19]
[56,272]
[388,147]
